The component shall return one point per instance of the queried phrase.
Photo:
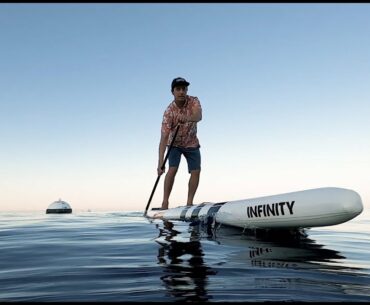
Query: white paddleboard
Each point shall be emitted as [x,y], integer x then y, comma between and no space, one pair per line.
[302,209]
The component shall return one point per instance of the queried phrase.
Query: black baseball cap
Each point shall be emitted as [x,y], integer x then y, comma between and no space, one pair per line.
[178,81]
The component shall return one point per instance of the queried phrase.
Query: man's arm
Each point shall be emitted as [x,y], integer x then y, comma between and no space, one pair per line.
[197,114]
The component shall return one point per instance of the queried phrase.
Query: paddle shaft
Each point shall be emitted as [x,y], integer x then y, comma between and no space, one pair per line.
[162,167]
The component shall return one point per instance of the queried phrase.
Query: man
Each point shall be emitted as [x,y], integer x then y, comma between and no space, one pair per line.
[186,111]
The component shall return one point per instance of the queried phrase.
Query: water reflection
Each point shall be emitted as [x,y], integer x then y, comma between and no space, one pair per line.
[185,273]
[274,248]
[257,248]
[288,260]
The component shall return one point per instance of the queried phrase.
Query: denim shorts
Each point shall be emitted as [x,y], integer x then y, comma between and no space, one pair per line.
[191,154]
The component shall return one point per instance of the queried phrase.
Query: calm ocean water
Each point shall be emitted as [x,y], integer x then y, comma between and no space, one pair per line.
[122,256]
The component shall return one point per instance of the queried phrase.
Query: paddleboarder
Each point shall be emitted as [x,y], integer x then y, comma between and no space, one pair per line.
[185,112]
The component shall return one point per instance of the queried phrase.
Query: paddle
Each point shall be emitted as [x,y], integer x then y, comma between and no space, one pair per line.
[162,167]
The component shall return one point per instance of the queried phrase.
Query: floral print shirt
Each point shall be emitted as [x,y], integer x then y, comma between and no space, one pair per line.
[187,134]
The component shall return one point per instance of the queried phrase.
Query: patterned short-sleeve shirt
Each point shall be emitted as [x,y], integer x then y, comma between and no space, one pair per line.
[187,134]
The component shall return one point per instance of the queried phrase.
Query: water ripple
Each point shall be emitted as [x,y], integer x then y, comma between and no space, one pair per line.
[121,256]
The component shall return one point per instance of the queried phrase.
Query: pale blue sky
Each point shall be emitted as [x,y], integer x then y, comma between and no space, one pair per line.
[83,87]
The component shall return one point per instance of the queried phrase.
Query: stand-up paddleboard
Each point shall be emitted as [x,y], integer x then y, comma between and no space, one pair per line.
[303,209]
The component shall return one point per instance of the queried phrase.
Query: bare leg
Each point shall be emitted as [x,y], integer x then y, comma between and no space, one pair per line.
[193,185]
[168,183]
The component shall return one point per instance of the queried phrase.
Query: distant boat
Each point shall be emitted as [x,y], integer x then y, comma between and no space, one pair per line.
[59,207]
